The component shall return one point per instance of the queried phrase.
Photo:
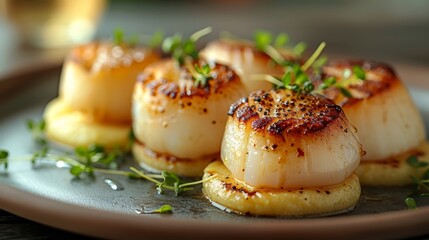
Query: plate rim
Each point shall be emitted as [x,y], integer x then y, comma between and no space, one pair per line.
[122,224]
[108,224]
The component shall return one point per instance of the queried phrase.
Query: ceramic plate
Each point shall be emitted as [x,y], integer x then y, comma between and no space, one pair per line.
[89,206]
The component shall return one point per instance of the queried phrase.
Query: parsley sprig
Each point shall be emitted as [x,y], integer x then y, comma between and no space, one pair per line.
[421,184]
[4,155]
[184,48]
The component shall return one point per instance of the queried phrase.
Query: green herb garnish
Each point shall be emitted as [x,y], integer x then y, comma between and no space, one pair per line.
[411,203]
[295,76]
[156,39]
[90,160]
[163,209]
[182,49]
[170,181]
[413,161]
[119,38]
[37,130]
[421,184]
[359,72]
[200,74]
[350,76]
[4,154]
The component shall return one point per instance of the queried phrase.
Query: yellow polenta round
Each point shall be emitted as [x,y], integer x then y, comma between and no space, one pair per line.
[225,190]
[156,162]
[394,171]
[75,128]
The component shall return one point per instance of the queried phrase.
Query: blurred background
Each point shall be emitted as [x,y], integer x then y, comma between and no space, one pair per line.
[37,33]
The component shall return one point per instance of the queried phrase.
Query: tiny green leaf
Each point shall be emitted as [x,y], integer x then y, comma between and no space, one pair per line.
[299,48]
[281,40]
[163,209]
[411,203]
[3,154]
[308,86]
[81,151]
[170,178]
[156,39]
[30,124]
[318,64]
[262,39]
[413,161]
[4,158]
[76,170]
[118,36]
[171,43]
[287,78]
[359,72]
[345,92]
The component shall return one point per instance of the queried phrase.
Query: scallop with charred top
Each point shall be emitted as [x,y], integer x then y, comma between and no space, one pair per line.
[388,122]
[278,141]
[94,103]
[179,123]
[246,59]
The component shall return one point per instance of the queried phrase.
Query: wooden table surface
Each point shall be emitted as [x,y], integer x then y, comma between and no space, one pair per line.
[14,227]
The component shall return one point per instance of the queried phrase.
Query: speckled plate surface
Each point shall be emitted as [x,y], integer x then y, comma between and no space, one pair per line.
[51,196]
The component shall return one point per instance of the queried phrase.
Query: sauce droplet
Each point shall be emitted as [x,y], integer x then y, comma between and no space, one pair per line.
[113,184]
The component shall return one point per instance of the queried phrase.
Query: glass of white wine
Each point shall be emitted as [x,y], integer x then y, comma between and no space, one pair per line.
[54,23]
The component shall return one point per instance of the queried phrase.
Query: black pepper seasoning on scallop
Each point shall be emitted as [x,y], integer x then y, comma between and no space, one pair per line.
[179,121]
[314,142]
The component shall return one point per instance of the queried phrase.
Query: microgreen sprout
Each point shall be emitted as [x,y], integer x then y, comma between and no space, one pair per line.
[350,76]
[421,184]
[163,209]
[4,154]
[411,203]
[156,39]
[295,76]
[170,181]
[200,73]
[119,38]
[37,130]
[182,49]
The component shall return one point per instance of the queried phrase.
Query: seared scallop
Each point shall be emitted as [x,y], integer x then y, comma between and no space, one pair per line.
[387,120]
[178,122]
[278,145]
[94,103]
[246,60]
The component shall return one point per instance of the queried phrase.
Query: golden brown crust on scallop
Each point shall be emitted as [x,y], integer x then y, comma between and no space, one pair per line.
[380,77]
[242,45]
[154,161]
[279,111]
[394,171]
[98,55]
[169,79]
[221,188]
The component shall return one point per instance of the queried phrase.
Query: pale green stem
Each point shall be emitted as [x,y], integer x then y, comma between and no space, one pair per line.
[313,57]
